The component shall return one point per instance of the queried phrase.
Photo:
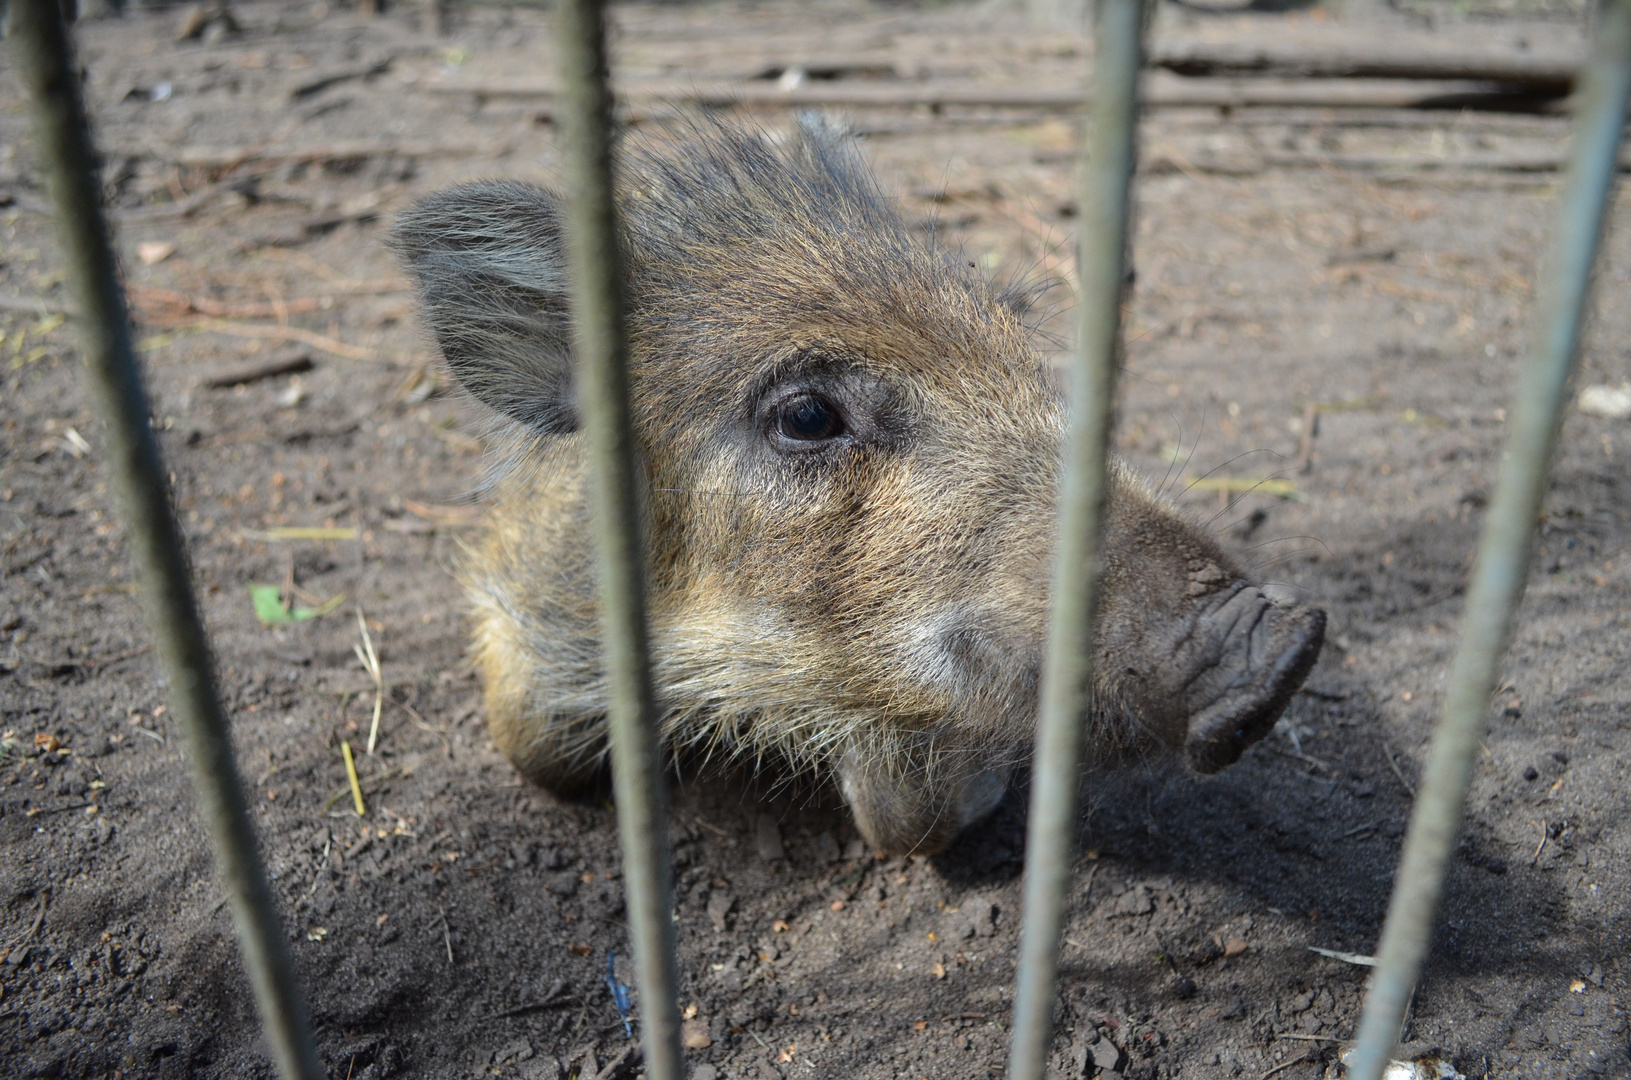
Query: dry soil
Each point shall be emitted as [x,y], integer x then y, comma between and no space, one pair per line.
[1331,299]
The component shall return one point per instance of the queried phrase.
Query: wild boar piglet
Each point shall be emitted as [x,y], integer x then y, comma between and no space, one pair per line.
[850,452]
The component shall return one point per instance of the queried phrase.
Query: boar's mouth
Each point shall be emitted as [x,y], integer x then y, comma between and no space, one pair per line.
[1257,655]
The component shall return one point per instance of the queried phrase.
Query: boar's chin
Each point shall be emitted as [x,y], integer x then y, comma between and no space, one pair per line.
[1267,652]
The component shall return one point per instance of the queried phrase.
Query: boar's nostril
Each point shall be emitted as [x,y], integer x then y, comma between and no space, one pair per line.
[1279,593]
[1284,643]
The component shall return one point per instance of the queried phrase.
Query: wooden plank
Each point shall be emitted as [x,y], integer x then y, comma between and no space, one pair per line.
[1162,90]
[1549,74]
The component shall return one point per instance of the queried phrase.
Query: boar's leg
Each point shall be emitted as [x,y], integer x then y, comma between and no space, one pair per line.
[915,803]
[567,756]
[563,750]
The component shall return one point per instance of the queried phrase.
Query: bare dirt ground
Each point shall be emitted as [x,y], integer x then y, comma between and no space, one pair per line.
[1366,271]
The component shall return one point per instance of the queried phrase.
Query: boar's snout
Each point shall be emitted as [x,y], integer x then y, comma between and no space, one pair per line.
[1255,656]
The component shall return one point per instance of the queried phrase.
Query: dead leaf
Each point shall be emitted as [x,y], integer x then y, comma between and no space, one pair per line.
[153,252]
[694,1035]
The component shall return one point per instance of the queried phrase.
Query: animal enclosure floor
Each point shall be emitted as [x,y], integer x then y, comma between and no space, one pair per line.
[1328,308]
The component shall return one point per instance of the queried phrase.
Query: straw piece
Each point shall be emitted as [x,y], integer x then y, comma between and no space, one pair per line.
[370,663]
[351,775]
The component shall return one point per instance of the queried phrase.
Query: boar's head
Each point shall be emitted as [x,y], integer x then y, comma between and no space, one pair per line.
[851,454]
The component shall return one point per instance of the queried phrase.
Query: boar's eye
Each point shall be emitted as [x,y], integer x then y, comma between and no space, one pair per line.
[808,418]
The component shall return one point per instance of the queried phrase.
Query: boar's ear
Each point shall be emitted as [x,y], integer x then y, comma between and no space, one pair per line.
[492,284]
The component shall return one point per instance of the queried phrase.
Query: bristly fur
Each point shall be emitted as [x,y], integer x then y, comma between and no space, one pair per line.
[873,606]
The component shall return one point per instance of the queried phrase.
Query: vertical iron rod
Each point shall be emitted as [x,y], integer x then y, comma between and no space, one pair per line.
[1504,551]
[1105,182]
[157,545]
[599,338]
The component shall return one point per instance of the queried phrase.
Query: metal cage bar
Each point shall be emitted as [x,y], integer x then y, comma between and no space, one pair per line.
[601,344]
[1105,182]
[1502,566]
[158,547]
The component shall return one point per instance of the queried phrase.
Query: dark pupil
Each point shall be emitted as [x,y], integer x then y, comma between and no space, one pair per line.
[809,420]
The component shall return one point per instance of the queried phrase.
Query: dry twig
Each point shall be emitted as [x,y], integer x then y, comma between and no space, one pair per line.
[447,935]
[35,305]
[1540,847]
[1280,1068]
[289,361]
[1387,752]
[159,304]
[1304,758]
[1311,428]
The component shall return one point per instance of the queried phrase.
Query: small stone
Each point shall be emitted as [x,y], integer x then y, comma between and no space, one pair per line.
[564,884]
[1108,1056]
[767,838]
[1135,901]
[982,917]
[208,22]
[694,1035]
[704,1072]
[719,909]
[826,848]
[1234,947]
[543,1067]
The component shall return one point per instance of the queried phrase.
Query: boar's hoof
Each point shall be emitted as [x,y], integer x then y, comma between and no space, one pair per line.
[1272,650]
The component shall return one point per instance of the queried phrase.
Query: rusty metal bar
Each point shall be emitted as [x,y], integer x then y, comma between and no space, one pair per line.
[601,343]
[158,548]
[1105,182]
[1502,568]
